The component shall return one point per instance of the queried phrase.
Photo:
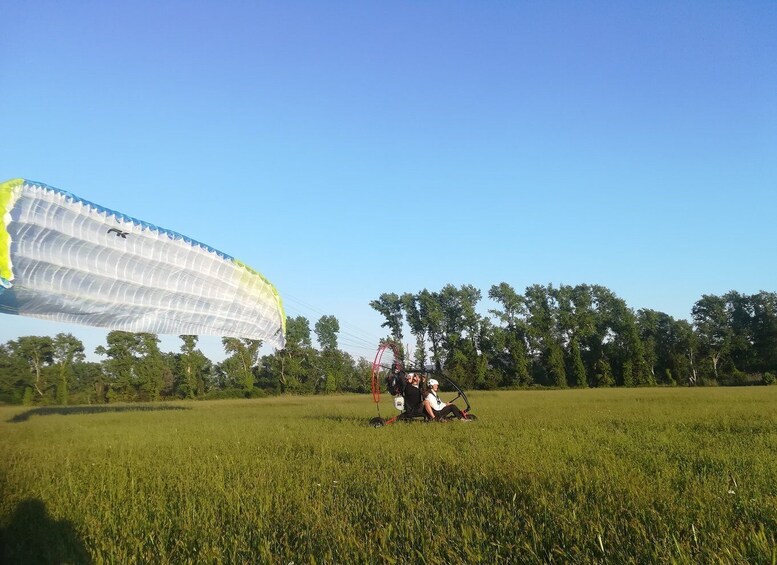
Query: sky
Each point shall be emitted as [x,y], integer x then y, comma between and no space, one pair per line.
[347,149]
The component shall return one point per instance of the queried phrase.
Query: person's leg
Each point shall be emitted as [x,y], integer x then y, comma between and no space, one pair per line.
[450,409]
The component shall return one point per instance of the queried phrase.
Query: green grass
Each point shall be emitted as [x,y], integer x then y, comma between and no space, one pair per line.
[618,476]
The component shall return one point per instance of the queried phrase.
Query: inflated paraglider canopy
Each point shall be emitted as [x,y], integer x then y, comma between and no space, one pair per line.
[65,259]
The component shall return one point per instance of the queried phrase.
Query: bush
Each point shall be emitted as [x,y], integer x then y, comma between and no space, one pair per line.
[28,397]
[768,379]
[221,394]
[256,393]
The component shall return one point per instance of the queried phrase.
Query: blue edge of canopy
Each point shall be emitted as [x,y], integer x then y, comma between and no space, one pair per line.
[170,233]
[8,302]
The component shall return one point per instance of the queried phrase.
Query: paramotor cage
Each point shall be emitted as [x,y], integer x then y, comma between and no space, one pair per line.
[456,387]
[387,366]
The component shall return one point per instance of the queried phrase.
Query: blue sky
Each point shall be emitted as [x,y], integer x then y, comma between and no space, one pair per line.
[345,149]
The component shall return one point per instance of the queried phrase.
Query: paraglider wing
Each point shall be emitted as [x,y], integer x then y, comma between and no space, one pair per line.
[65,259]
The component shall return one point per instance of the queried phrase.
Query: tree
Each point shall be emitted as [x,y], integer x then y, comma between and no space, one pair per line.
[739,311]
[416,319]
[93,381]
[37,353]
[239,366]
[683,353]
[192,365]
[326,330]
[604,376]
[513,305]
[712,328]
[390,306]
[512,334]
[290,367]
[66,351]
[431,312]
[154,373]
[14,376]
[555,361]
[545,334]
[333,363]
[764,323]
[579,376]
[120,367]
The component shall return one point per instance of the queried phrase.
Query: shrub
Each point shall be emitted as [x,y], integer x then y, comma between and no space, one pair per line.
[221,394]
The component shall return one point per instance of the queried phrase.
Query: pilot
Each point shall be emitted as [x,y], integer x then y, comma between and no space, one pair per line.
[413,400]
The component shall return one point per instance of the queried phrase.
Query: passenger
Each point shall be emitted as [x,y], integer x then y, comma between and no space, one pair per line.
[436,408]
[413,399]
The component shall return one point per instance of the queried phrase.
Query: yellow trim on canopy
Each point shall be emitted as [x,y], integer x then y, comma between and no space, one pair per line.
[274,290]
[9,192]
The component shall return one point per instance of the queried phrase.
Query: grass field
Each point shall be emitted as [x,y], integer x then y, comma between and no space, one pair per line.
[617,476]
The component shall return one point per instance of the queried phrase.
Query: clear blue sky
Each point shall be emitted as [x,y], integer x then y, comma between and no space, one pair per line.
[345,149]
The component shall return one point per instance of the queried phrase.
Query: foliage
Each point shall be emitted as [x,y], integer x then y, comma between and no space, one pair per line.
[586,336]
[567,336]
[327,328]
[239,366]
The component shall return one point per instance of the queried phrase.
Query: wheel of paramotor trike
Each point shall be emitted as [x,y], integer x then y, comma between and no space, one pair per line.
[377,422]
[471,417]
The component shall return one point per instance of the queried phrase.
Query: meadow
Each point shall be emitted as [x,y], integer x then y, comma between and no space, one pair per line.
[570,476]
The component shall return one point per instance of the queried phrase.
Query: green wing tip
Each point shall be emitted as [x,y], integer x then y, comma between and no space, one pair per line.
[6,198]
[275,292]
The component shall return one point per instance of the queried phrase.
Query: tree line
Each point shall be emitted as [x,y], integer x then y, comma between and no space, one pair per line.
[46,370]
[566,336]
[584,336]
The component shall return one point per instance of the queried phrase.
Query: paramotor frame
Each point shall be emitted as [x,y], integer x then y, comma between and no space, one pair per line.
[389,366]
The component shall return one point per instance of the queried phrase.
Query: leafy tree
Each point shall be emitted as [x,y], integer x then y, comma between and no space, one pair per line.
[513,305]
[712,328]
[37,353]
[66,351]
[764,330]
[192,366]
[416,319]
[120,367]
[579,376]
[326,330]
[239,366]
[431,312]
[291,367]
[154,372]
[604,376]
[331,360]
[545,334]
[512,336]
[14,376]
[628,373]
[298,333]
[390,306]
[739,311]
[459,319]
[363,375]
[93,382]
[683,345]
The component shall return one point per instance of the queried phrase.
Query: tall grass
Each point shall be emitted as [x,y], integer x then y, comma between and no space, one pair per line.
[620,476]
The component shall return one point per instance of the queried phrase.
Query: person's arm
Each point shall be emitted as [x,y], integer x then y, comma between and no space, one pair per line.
[429,409]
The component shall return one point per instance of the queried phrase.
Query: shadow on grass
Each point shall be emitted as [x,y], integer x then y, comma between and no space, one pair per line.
[341,419]
[34,536]
[69,410]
